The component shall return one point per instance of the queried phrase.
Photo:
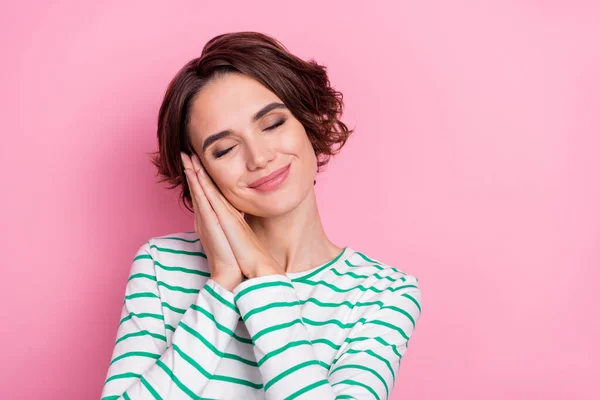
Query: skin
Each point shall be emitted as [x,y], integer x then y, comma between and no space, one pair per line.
[280,231]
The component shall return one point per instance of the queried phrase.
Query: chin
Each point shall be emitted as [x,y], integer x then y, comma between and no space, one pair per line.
[274,207]
[279,203]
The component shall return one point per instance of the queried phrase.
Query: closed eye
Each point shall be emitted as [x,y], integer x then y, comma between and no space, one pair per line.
[275,125]
[221,153]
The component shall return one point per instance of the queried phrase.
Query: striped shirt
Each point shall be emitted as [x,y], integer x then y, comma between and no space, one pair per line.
[336,331]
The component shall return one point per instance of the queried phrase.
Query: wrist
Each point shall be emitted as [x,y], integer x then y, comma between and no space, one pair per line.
[264,271]
[226,282]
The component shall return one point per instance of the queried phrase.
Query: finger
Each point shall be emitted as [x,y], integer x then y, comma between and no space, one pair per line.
[211,192]
[197,215]
[218,202]
[204,208]
[230,220]
[192,191]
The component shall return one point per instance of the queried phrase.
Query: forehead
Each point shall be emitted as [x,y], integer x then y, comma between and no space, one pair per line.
[228,102]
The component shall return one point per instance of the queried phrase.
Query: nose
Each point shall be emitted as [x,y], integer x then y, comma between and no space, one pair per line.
[259,153]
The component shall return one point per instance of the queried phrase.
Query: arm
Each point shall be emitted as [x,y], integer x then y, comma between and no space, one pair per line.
[367,362]
[143,366]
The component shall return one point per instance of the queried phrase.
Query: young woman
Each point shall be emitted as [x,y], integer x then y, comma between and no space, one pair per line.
[257,302]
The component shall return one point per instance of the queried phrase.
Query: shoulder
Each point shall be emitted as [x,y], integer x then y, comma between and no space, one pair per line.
[176,243]
[388,303]
[189,240]
[375,270]
[379,279]
[181,250]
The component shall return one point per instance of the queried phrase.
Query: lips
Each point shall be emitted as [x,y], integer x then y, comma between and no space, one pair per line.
[269,177]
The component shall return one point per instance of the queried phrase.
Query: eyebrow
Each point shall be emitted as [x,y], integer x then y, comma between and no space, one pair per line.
[261,113]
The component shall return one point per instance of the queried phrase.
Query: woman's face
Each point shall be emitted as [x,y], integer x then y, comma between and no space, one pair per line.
[243,132]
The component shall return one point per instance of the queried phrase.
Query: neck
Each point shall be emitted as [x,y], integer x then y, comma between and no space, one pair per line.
[296,240]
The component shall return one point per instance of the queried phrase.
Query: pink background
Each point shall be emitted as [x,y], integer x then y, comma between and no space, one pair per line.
[474,166]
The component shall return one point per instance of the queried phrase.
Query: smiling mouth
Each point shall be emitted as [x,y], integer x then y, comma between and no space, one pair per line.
[273,180]
[272,176]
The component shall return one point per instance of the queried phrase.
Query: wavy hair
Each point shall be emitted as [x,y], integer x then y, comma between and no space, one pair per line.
[303,86]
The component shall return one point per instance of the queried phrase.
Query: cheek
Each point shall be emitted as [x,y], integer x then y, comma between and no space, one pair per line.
[225,179]
[306,150]
[302,150]
[296,142]
[288,143]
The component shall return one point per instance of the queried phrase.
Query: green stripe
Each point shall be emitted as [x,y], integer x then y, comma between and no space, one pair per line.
[359,287]
[212,348]
[221,299]
[343,396]
[353,382]
[413,300]
[379,267]
[275,328]
[322,268]
[170,327]
[140,275]
[328,343]
[333,321]
[377,338]
[111,397]
[393,346]
[238,381]
[372,354]
[281,350]
[401,311]
[135,353]
[168,250]
[122,376]
[260,286]
[307,388]
[243,339]
[150,388]
[357,276]
[220,326]
[403,287]
[141,333]
[181,239]
[215,377]
[240,359]
[182,269]
[179,384]
[141,294]
[142,257]
[290,371]
[142,315]
[356,366]
[268,306]
[126,396]
[343,303]
[359,339]
[367,258]
[191,361]
[178,288]
[388,325]
[173,308]
[359,304]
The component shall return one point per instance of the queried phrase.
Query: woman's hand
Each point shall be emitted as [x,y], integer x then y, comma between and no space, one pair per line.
[223,266]
[224,229]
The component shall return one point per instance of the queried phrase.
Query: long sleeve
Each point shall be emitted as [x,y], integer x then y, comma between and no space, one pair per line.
[367,362]
[143,365]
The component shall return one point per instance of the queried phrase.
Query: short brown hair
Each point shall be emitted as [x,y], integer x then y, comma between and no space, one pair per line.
[303,86]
